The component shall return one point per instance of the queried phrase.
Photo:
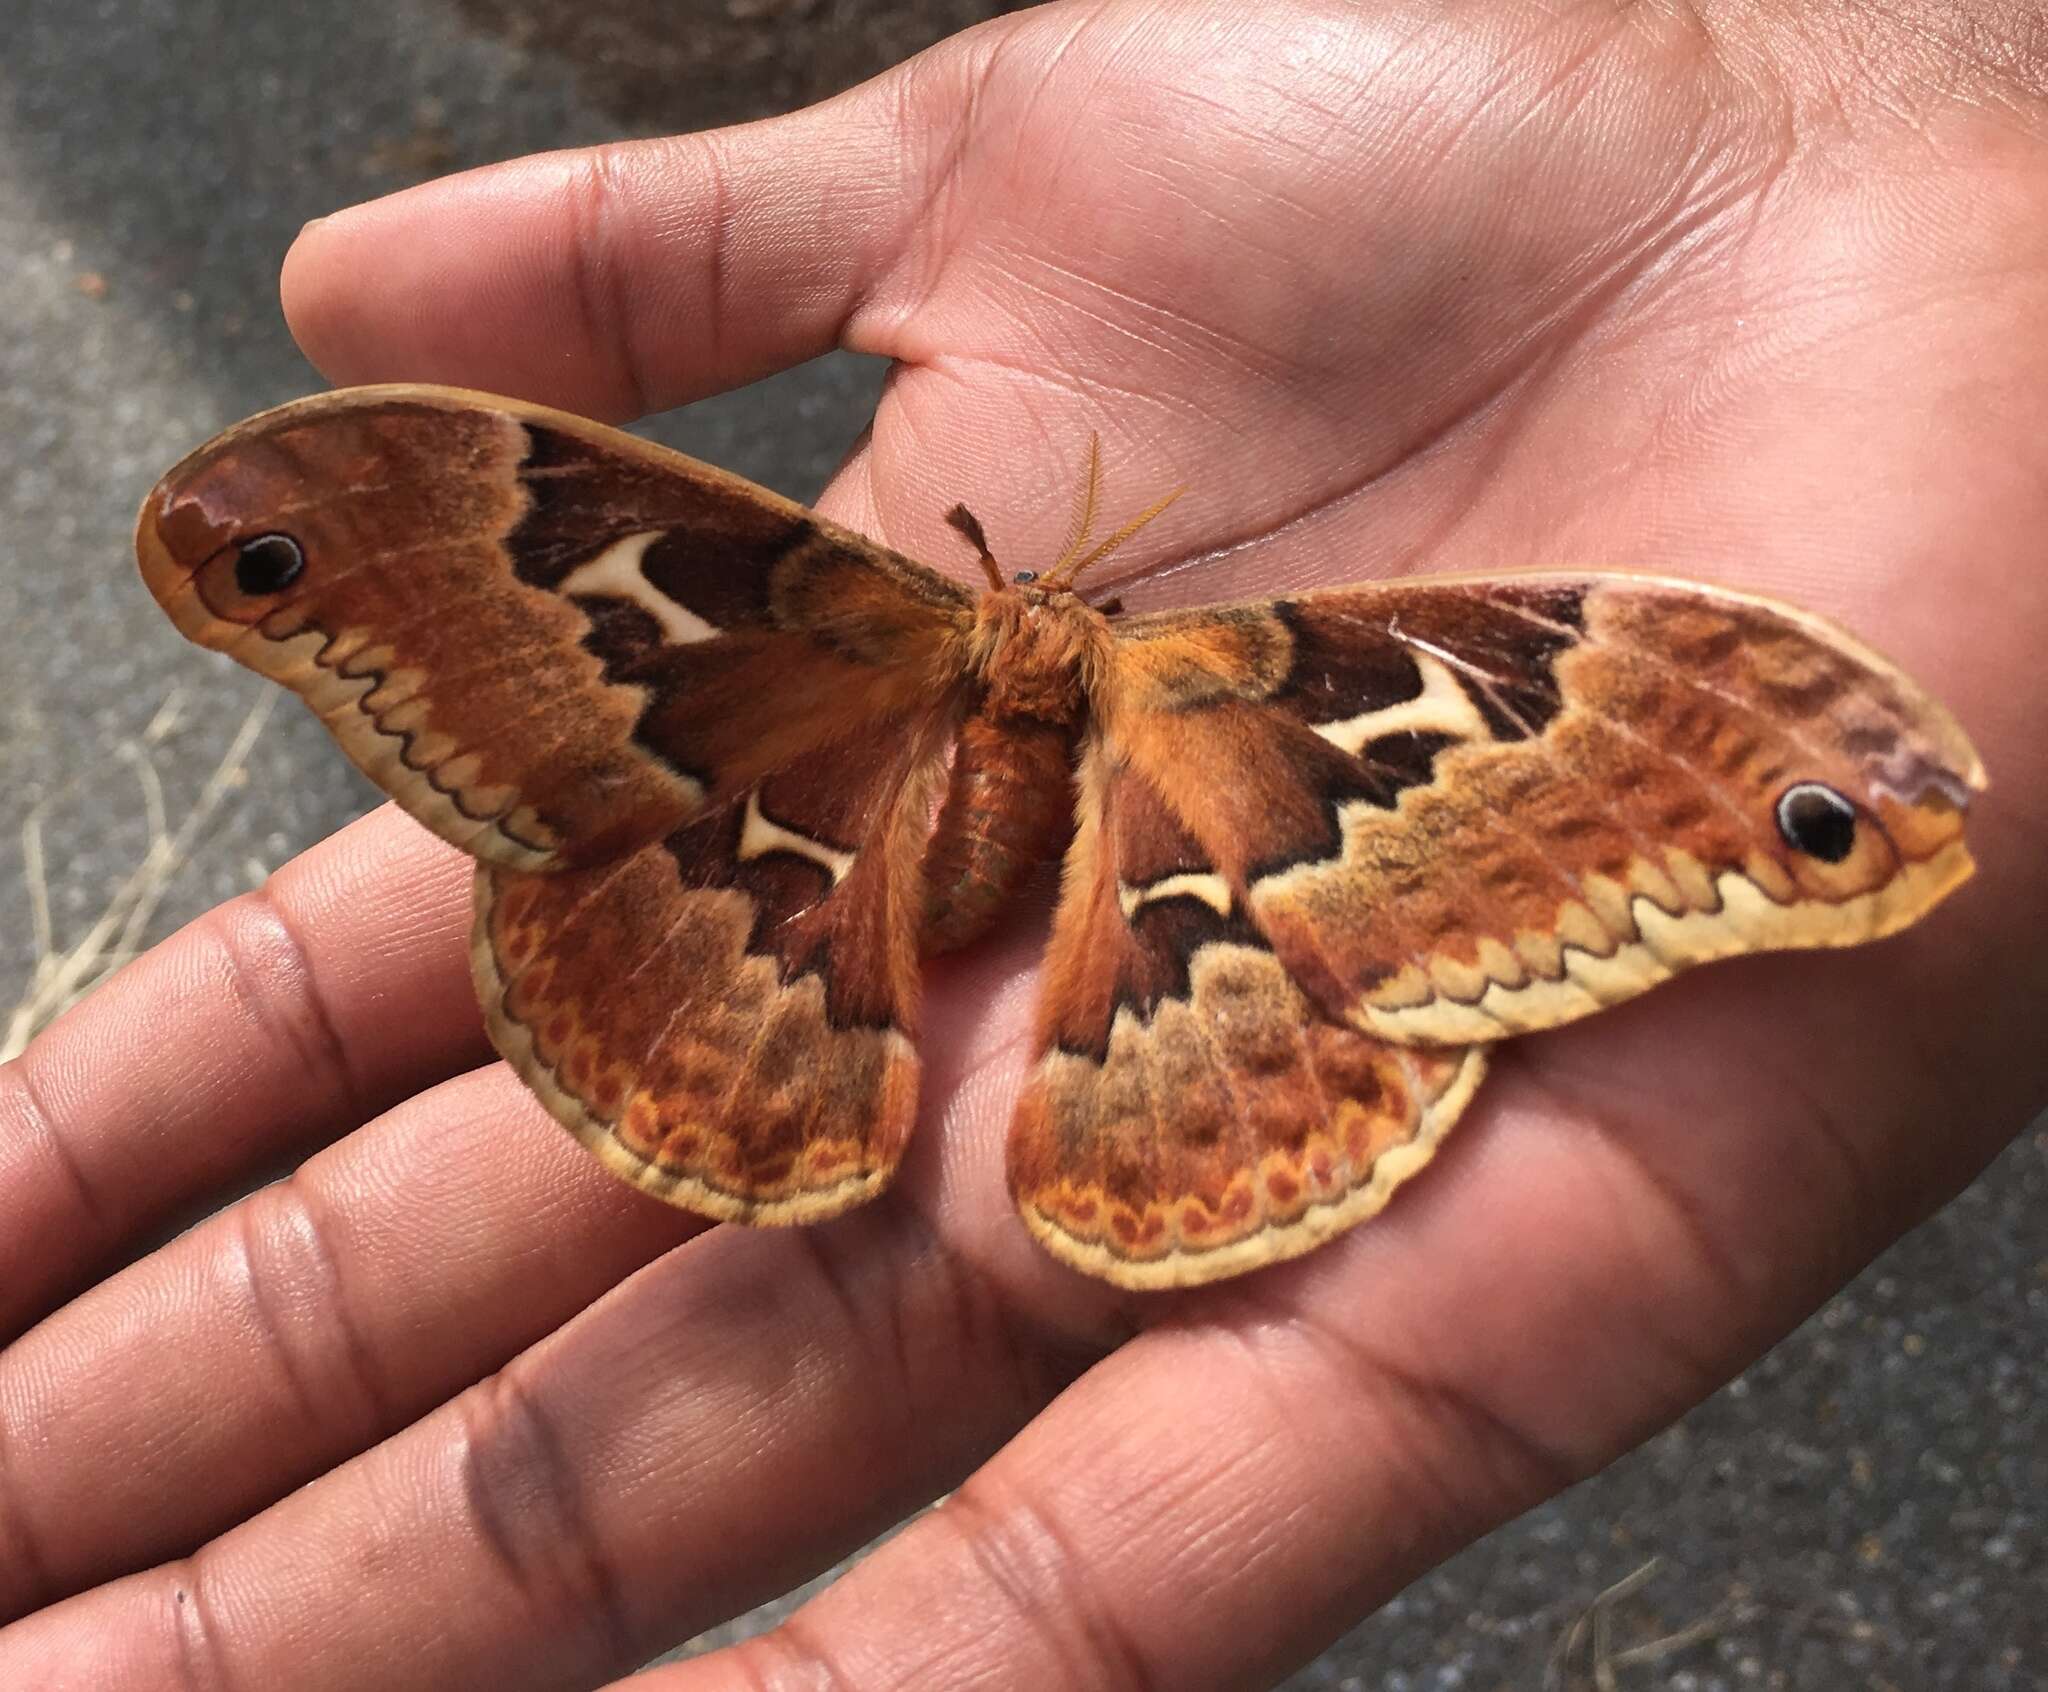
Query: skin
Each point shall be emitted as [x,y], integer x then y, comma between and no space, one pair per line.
[1753,293]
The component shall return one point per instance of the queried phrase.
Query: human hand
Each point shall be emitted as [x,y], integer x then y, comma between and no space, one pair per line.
[1724,293]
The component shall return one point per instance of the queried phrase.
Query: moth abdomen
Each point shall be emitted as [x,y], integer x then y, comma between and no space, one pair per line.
[1008,808]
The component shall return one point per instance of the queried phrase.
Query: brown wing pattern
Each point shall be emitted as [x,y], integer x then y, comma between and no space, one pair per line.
[546,639]
[725,765]
[726,1016]
[1193,1114]
[1459,810]
[694,733]
[1329,844]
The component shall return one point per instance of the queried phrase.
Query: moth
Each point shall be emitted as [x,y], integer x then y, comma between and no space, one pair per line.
[729,771]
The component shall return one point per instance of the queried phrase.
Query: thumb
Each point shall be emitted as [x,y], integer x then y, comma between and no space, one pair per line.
[624,279]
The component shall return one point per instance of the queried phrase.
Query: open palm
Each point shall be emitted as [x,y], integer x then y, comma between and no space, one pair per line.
[1700,290]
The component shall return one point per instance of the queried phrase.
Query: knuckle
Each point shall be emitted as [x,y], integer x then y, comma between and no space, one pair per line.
[299,1301]
[1047,1588]
[264,966]
[526,1499]
[598,206]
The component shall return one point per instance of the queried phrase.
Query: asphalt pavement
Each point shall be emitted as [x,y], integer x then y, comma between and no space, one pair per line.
[1867,1508]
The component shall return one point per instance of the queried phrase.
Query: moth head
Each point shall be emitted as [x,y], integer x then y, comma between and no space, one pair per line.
[1028,586]
[1056,582]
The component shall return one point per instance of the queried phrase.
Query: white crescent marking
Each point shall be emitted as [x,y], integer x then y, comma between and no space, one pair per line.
[1210,888]
[1442,707]
[760,836]
[615,574]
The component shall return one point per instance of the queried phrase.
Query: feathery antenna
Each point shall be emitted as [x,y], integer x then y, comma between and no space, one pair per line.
[1064,573]
[970,526]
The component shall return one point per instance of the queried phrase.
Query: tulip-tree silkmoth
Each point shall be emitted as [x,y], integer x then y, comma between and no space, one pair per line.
[729,771]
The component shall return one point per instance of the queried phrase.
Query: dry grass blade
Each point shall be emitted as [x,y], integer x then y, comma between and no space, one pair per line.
[64,976]
[1587,1654]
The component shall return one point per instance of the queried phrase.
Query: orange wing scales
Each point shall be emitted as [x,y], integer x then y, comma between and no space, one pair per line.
[729,769]
[635,1011]
[1194,1115]
[726,1016]
[549,641]
[1540,877]
[695,733]
[1328,845]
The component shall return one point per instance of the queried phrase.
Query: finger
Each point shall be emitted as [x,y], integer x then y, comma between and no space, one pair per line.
[1202,1509]
[741,1411]
[275,1021]
[625,279]
[381,1278]
[1218,1499]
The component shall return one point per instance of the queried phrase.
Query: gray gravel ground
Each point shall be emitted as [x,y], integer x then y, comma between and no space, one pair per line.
[1863,1509]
